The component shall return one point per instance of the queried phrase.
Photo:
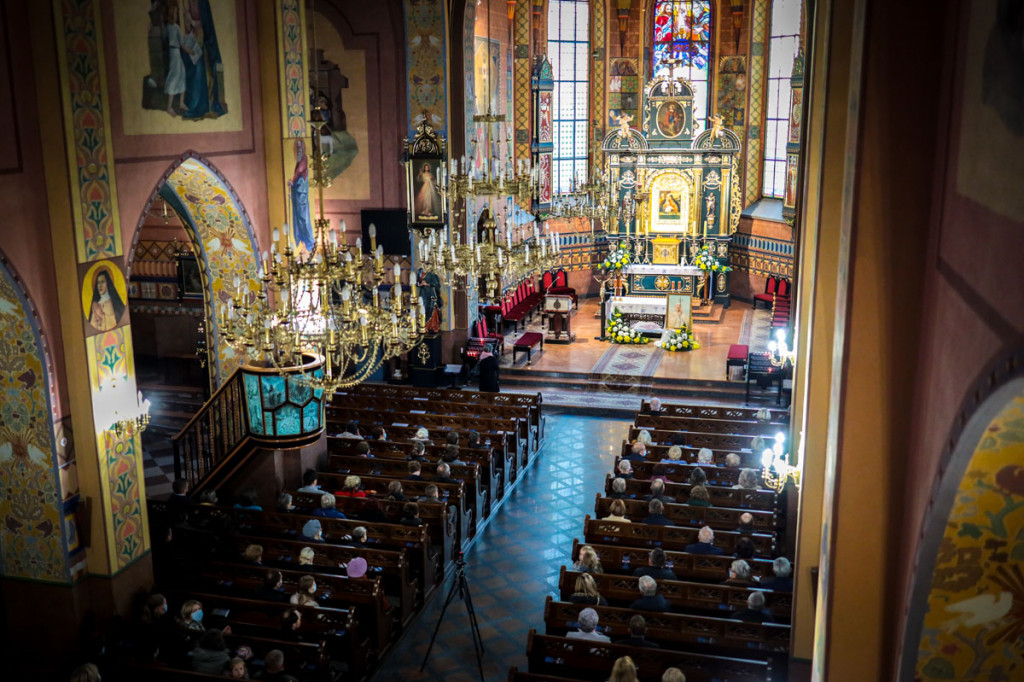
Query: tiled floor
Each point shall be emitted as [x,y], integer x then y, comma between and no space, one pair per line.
[516,562]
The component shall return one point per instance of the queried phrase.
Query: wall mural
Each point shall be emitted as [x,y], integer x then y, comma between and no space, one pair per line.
[623,90]
[755,110]
[32,531]
[731,93]
[178,66]
[425,22]
[226,245]
[342,91]
[291,38]
[975,618]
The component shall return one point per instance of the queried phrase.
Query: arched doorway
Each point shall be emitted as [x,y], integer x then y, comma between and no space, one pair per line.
[967,600]
[194,249]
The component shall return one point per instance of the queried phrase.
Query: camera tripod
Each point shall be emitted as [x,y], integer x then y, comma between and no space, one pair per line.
[461,588]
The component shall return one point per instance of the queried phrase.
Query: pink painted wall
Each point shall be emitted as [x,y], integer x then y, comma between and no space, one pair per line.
[25,235]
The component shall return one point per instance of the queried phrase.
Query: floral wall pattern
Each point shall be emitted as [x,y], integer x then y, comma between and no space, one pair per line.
[975,620]
[32,534]
[426,37]
[225,244]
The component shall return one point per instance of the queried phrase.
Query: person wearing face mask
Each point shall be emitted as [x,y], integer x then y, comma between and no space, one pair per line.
[153,626]
[306,594]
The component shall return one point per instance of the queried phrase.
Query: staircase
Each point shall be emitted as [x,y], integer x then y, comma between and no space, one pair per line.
[171,407]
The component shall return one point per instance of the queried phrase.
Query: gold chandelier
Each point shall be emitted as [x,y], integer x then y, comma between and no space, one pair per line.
[330,302]
[489,259]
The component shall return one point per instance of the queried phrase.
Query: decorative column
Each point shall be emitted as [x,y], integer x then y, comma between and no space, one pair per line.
[796,104]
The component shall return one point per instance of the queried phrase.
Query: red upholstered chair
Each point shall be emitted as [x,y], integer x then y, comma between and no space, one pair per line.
[483,334]
[546,281]
[561,285]
[768,297]
[783,290]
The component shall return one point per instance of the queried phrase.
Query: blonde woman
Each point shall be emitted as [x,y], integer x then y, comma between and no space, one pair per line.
[704,457]
[351,488]
[306,556]
[673,675]
[675,455]
[254,555]
[624,670]
[618,512]
[586,591]
[644,437]
[588,561]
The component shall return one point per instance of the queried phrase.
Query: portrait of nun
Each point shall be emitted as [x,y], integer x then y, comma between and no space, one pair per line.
[107,306]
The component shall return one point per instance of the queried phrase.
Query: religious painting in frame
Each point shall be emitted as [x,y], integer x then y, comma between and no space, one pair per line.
[190,281]
[544,126]
[104,296]
[178,66]
[425,172]
[670,119]
[672,208]
[795,113]
[677,311]
[669,202]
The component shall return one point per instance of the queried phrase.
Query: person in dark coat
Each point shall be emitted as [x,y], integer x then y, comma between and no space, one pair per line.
[650,600]
[655,515]
[783,579]
[489,372]
[656,568]
[637,634]
[705,544]
[755,611]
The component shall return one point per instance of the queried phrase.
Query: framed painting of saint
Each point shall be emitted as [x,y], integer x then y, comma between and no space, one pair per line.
[426,201]
[670,119]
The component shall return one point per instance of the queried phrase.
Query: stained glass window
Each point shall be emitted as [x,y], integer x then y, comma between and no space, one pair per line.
[569,52]
[682,48]
[785,41]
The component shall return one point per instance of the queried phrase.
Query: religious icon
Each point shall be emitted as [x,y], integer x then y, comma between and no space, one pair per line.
[709,216]
[677,311]
[670,119]
[298,188]
[544,116]
[427,202]
[103,302]
[668,206]
[624,119]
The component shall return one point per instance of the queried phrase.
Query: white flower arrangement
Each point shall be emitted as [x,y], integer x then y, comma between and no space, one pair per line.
[679,340]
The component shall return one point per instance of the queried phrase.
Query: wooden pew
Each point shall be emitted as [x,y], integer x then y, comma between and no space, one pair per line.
[678,631]
[454,493]
[533,401]
[720,476]
[658,452]
[683,595]
[590,660]
[338,628]
[493,472]
[780,417]
[442,519]
[676,538]
[370,417]
[703,425]
[392,565]
[478,495]
[364,595]
[757,502]
[623,560]
[715,441]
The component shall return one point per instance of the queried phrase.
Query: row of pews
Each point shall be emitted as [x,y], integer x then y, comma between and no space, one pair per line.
[357,619]
[699,635]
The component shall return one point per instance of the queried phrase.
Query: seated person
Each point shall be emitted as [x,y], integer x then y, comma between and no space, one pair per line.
[475,442]
[782,580]
[273,670]
[328,508]
[624,469]
[418,453]
[415,471]
[649,599]
[739,574]
[588,627]
[698,477]
[422,435]
[351,431]
[653,407]
[451,455]
[305,595]
[444,473]
[211,655]
[637,451]
[674,455]
[284,502]
[363,449]
[637,633]
[658,491]
[744,548]
[656,567]
[619,489]
[586,591]
[746,524]
[248,499]
[395,492]
[351,488]
[309,482]
[655,515]
[378,433]
[755,611]
[452,438]
[732,460]
[705,457]
[411,515]
[587,561]
[253,554]
[430,494]
[748,480]
[705,543]
[699,497]
[271,589]
[313,531]
[617,511]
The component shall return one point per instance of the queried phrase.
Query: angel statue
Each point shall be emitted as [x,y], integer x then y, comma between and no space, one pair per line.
[716,126]
[624,120]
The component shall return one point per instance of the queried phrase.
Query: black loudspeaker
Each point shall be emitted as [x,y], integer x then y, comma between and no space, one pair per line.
[392,230]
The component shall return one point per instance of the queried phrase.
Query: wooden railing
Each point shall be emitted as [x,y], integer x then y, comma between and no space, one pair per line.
[216,432]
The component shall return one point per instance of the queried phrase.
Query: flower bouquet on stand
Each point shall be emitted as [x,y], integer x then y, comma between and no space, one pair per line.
[618,331]
[679,340]
[707,262]
[617,258]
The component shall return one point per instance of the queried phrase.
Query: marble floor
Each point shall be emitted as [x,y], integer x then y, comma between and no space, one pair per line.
[515,563]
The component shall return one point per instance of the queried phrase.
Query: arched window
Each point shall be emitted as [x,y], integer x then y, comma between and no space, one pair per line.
[569,53]
[682,48]
[785,41]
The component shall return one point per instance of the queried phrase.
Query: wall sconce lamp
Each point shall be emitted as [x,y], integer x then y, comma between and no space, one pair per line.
[775,467]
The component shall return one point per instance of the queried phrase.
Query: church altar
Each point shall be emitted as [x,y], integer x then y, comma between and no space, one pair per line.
[659,280]
[651,309]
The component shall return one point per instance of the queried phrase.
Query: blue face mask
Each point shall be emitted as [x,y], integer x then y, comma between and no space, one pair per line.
[197,616]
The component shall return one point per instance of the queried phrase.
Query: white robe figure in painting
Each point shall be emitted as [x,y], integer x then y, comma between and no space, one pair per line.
[428,200]
[174,83]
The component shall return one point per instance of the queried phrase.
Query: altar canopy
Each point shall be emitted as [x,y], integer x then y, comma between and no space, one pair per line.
[676,193]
